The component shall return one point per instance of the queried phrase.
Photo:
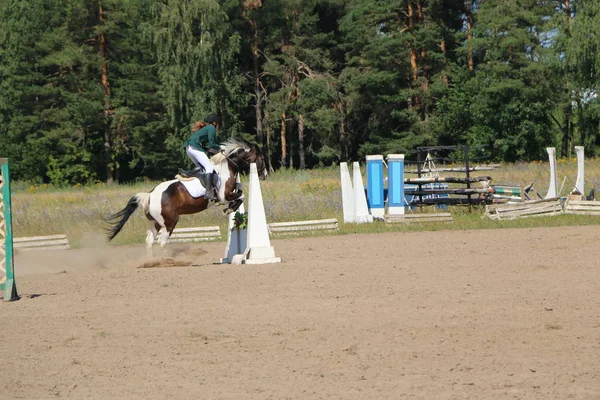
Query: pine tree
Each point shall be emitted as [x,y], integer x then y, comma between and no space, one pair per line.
[45,97]
[511,89]
[583,59]
[196,56]
[399,56]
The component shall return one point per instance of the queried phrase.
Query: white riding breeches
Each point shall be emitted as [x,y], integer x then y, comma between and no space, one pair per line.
[199,157]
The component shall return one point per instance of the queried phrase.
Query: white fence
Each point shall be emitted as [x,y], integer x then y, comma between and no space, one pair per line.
[582,207]
[198,234]
[525,209]
[417,218]
[300,226]
[51,242]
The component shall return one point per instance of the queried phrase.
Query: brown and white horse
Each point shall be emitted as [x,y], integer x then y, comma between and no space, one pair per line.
[166,202]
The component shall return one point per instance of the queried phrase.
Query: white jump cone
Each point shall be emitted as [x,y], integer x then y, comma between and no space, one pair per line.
[580,182]
[259,250]
[236,240]
[348,203]
[361,213]
[553,182]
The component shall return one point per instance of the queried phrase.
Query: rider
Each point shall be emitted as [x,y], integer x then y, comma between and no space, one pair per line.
[203,140]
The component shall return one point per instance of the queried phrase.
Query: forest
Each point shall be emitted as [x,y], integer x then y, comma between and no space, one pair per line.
[107,90]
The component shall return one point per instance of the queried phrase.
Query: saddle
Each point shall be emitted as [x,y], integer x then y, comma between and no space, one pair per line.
[208,181]
[182,178]
[196,172]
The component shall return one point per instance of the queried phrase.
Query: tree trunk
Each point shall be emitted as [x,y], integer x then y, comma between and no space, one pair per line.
[469,23]
[344,156]
[252,4]
[413,51]
[566,128]
[413,101]
[567,109]
[107,111]
[257,87]
[268,145]
[258,94]
[301,154]
[283,141]
[425,72]
[581,122]
[569,15]
[424,67]
[445,61]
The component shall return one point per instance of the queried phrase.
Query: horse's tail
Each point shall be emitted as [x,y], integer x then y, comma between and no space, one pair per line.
[118,220]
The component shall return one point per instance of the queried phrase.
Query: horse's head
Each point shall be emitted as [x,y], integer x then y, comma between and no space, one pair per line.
[240,154]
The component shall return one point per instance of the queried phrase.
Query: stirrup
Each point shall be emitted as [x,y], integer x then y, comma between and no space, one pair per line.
[210,197]
[209,194]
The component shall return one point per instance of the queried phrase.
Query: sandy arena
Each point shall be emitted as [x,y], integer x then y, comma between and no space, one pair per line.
[500,314]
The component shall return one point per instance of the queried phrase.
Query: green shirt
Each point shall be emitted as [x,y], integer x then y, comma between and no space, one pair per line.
[204,138]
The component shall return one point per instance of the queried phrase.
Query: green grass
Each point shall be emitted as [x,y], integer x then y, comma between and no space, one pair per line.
[287,195]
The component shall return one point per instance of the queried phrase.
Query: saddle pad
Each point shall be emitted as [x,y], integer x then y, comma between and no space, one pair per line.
[194,187]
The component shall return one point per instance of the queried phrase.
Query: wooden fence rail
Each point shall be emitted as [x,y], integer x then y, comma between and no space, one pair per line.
[525,209]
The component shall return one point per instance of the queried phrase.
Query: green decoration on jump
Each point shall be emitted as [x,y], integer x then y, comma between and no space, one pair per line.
[7,268]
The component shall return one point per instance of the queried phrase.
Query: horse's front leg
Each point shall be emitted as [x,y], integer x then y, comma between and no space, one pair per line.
[234,205]
[233,195]
[235,200]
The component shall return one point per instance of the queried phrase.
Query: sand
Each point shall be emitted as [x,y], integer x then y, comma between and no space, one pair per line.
[498,314]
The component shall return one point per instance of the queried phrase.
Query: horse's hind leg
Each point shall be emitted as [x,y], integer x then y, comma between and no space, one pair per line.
[150,237]
[165,231]
[163,237]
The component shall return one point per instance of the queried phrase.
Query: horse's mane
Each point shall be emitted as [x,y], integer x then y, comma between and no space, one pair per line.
[230,146]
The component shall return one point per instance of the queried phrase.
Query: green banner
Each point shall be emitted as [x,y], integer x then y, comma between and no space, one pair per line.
[7,276]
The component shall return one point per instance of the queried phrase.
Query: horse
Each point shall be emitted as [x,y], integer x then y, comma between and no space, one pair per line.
[168,200]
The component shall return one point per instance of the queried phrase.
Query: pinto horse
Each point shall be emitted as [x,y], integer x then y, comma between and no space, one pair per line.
[166,202]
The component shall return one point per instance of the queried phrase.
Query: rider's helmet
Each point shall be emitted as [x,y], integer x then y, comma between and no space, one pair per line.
[213,119]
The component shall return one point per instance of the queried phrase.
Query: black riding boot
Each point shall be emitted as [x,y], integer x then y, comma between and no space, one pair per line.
[207,182]
[190,173]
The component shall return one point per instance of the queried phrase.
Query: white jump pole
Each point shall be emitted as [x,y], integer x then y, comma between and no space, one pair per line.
[552,187]
[580,182]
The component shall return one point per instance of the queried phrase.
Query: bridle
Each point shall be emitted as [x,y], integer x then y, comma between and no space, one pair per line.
[236,164]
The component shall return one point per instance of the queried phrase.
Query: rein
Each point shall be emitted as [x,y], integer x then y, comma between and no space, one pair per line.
[235,164]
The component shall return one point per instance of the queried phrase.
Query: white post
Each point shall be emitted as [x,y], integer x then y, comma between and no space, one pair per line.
[553,182]
[580,182]
[259,250]
[236,239]
[348,205]
[361,213]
